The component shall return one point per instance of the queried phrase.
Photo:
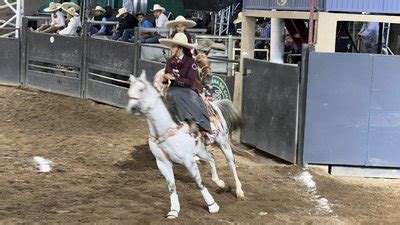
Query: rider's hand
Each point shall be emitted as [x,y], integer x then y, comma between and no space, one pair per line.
[169,76]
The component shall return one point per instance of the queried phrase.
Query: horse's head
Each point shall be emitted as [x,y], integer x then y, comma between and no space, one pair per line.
[142,95]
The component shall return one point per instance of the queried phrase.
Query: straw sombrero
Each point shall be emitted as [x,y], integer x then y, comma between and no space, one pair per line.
[99,8]
[181,20]
[52,7]
[121,12]
[179,39]
[157,7]
[72,11]
[239,18]
[66,5]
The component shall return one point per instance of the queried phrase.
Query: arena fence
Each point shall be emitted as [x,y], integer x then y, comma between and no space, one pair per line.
[9,61]
[270,108]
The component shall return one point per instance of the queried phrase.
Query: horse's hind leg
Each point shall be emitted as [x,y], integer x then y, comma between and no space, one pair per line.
[194,171]
[167,171]
[225,146]
[209,157]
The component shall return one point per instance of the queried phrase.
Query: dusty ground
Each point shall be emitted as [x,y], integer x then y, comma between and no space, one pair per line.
[104,172]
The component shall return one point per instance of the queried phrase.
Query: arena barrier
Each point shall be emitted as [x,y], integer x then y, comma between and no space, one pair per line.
[10,61]
[54,63]
[109,64]
[353,110]
[270,108]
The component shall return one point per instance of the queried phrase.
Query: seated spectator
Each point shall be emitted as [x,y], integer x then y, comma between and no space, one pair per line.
[100,14]
[73,23]
[179,25]
[105,29]
[160,21]
[143,23]
[263,30]
[127,22]
[57,19]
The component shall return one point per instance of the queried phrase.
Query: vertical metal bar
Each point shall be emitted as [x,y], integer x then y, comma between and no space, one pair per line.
[230,52]
[18,20]
[136,53]
[311,28]
[302,105]
[380,37]
[84,73]
[23,51]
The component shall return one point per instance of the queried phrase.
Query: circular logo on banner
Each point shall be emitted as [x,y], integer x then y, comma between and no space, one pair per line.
[219,89]
[282,2]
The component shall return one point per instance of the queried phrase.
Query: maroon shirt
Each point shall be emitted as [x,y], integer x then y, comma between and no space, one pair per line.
[184,70]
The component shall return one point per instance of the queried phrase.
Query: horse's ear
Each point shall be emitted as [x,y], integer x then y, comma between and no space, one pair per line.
[132,78]
[143,76]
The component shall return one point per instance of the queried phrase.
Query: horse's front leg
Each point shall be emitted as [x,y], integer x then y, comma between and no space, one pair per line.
[165,166]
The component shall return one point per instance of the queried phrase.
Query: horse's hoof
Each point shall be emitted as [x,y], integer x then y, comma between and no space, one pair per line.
[220,183]
[240,194]
[172,215]
[214,208]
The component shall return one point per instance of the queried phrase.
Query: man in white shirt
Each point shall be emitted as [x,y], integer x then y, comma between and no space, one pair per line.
[369,37]
[160,22]
[73,24]
[57,19]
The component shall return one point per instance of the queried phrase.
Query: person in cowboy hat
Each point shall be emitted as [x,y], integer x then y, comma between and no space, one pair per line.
[66,5]
[127,24]
[160,21]
[182,72]
[57,19]
[101,14]
[180,24]
[73,24]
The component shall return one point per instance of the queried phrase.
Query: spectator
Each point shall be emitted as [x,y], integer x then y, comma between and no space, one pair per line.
[369,37]
[105,29]
[143,23]
[127,23]
[73,24]
[57,19]
[128,5]
[180,24]
[98,16]
[160,21]
[264,31]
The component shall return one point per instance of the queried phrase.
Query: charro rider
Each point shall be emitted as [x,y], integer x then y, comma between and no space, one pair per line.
[182,71]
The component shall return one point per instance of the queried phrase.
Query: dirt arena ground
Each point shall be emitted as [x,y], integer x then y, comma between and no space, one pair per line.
[104,172]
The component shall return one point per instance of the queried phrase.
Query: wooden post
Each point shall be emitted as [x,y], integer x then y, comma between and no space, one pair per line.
[247,51]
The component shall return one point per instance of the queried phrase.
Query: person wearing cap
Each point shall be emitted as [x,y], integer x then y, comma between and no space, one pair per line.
[179,25]
[73,24]
[127,23]
[57,19]
[263,30]
[182,72]
[143,23]
[160,21]
[104,17]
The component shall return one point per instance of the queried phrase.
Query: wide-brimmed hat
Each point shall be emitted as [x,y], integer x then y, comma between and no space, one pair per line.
[99,8]
[180,20]
[179,39]
[52,7]
[66,5]
[122,11]
[72,11]
[157,7]
[239,18]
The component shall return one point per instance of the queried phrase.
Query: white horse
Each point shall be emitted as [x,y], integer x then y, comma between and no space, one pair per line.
[170,142]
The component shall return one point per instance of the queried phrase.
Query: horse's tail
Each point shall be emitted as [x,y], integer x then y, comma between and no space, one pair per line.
[231,114]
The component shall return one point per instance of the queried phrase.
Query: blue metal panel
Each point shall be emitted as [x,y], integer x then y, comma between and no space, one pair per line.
[303,5]
[372,6]
[337,114]
[392,6]
[384,132]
